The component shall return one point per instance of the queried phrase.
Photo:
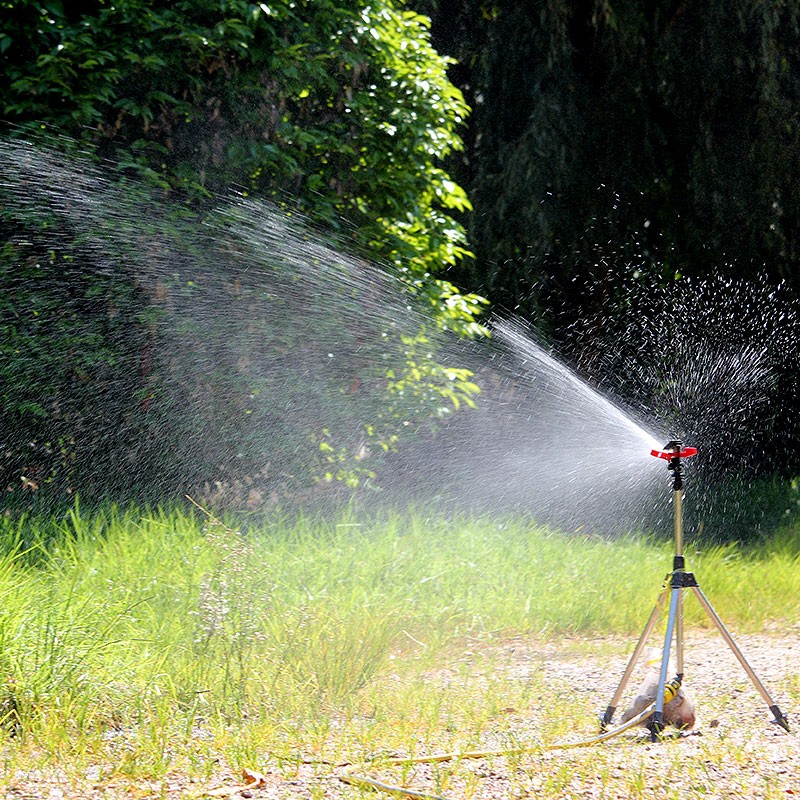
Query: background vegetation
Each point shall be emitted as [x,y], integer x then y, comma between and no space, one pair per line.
[657,136]
[617,148]
[608,146]
[337,111]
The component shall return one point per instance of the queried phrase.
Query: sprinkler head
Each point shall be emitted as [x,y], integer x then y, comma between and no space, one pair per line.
[673,452]
[674,449]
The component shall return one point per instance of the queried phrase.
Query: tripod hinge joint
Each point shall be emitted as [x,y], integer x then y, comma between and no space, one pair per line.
[683,580]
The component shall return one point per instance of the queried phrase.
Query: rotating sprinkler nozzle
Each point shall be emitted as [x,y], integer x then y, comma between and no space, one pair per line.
[674,449]
[673,452]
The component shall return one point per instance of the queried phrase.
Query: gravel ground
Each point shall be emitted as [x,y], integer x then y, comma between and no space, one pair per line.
[734,752]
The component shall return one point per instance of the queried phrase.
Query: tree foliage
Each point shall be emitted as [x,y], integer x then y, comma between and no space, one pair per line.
[342,109]
[339,111]
[661,136]
[621,150]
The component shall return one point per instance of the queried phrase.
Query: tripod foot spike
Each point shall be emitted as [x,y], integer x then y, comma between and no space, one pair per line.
[780,718]
[605,720]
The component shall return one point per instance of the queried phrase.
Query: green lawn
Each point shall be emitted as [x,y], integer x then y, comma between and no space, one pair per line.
[138,645]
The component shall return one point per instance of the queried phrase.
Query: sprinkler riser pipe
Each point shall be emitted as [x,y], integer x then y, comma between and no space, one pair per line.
[678,521]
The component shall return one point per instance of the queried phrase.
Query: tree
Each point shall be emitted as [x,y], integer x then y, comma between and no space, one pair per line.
[344,110]
[659,136]
[627,158]
[341,112]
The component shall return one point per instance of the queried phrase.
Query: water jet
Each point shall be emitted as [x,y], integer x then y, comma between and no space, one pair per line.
[246,362]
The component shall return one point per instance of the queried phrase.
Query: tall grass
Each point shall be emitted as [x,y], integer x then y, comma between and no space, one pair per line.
[151,625]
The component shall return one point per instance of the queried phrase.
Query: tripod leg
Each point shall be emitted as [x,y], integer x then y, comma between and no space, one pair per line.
[679,636]
[776,712]
[657,723]
[648,629]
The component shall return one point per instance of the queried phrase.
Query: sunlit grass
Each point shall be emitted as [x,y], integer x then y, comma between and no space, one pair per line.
[136,644]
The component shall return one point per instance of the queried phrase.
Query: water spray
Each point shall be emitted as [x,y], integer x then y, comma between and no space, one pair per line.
[675,582]
[250,240]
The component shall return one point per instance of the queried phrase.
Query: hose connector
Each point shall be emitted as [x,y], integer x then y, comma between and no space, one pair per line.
[671,688]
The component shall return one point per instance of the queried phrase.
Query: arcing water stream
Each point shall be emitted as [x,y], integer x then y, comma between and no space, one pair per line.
[252,348]
[544,443]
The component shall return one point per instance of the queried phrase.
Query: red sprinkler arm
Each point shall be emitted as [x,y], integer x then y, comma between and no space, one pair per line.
[669,454]
[673,452]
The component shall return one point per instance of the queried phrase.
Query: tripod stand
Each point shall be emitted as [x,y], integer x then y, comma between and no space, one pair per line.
[674,584]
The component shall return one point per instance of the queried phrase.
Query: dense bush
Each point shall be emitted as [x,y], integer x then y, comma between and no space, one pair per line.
[337,111]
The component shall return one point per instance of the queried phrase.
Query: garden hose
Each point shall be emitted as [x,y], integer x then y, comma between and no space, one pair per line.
[365,781]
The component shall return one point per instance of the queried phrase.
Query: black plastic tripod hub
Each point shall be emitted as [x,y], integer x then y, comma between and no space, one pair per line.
[674,584]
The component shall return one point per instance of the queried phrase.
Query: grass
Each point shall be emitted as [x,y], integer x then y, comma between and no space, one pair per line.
[157,648]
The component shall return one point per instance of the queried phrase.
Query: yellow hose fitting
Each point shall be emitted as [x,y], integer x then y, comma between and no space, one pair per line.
[671,688]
